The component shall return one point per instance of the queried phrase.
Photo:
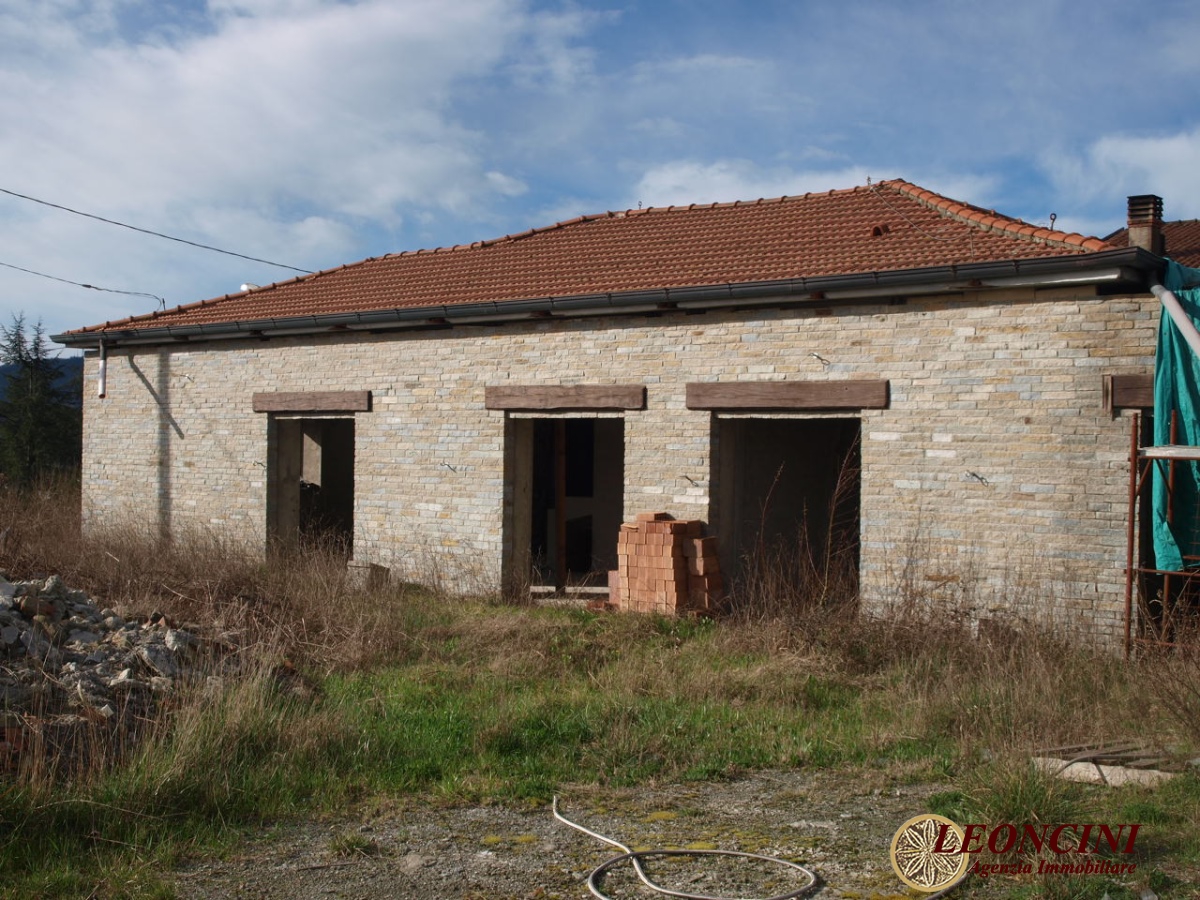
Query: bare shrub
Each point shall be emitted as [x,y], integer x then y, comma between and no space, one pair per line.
[815,569]
[1174,677]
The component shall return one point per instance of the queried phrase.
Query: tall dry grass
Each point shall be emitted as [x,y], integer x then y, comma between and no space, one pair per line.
[917,676]
[1013,688]
[482,699]
[309,607]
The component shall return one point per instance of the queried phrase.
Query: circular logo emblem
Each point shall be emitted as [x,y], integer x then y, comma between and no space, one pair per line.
[918,859]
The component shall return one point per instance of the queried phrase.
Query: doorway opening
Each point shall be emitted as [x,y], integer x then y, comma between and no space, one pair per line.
[567,480]
[311,478]
[786,506]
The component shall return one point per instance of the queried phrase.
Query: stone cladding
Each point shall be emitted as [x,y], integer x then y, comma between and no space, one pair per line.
[994,482]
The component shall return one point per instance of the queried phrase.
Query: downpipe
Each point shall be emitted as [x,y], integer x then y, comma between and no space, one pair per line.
[1171,304]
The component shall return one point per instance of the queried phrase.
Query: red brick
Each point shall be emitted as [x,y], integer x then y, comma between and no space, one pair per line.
[655,517]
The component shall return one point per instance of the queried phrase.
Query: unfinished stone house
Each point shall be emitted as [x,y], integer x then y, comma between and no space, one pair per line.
[931,390]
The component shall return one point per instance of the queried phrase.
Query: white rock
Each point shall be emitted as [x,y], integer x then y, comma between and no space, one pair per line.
[177,640]
[159,658]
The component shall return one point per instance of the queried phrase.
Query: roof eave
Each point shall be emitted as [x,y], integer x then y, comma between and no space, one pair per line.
[1124,265]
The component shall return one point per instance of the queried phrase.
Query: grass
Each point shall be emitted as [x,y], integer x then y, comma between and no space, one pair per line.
[472,700]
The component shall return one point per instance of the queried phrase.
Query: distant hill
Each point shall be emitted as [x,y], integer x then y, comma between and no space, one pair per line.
[69,368]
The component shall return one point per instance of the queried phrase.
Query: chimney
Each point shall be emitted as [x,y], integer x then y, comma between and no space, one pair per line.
[1145,223]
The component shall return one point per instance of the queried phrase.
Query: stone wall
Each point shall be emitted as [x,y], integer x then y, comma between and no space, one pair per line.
[995,477]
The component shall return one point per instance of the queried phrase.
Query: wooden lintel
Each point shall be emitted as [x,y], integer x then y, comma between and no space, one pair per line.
[312,401]
[564,397]
[856,394]
[1128,392]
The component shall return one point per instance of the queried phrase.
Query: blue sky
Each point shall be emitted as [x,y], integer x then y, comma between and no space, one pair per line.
[317,132]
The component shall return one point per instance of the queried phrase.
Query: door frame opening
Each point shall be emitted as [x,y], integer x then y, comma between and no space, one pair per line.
[310,473]
[786,501]
[565,482]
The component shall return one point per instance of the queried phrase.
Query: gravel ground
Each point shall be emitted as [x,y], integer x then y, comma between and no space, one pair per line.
[838,824]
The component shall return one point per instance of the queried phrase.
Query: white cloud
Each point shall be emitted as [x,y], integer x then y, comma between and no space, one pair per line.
[552,56]
[690,181]
[317,132]
[271,133]
[1117,166]
[978,190]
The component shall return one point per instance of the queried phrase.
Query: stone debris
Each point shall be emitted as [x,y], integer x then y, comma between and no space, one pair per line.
[66,662]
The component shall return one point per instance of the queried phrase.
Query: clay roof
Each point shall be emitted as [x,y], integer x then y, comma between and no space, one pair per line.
[889,226]
[1182,240]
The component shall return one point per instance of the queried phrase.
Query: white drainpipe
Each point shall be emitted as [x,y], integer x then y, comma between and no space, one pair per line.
[102,381]
[1178,316]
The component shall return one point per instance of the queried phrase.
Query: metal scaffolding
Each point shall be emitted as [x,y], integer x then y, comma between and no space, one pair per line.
[1166,600]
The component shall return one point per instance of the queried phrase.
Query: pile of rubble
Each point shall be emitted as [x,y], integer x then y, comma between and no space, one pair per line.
[65,663]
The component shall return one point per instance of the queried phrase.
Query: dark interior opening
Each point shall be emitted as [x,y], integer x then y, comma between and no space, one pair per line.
[787,503]
[569,515]
[312,484]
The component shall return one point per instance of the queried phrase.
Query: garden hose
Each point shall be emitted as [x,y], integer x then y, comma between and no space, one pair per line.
[635,857]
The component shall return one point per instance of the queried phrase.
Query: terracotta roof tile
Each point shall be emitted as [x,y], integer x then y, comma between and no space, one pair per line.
[884,227]
[1182,239]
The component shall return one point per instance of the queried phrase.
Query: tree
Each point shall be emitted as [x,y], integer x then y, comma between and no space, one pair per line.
[40,420]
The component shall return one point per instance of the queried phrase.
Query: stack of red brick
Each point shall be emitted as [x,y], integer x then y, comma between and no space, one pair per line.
[665,566]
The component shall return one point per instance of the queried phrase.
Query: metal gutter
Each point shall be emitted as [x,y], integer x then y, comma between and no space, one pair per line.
[1125,264]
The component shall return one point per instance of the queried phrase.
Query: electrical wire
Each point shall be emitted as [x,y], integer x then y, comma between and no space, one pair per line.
[636,856]
[158,234]
[90,287]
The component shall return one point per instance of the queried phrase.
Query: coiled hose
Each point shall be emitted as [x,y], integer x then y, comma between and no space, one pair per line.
[636,856]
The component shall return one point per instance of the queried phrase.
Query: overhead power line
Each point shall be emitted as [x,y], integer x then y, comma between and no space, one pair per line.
[90,287]
[153,233]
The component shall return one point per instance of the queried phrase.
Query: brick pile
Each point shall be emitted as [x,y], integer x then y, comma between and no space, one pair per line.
[665,566]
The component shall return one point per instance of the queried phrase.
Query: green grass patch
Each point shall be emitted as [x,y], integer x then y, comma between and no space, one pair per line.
[463,701]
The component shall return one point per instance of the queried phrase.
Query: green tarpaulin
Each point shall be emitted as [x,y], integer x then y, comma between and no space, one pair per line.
[1177,387]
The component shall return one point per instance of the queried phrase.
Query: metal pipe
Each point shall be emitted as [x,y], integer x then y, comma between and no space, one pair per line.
[1129,533]
[102,380]
[1181,319]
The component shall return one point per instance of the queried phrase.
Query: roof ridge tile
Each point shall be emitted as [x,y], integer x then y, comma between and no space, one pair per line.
[978,216]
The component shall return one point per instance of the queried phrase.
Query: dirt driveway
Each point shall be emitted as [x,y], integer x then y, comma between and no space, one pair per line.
[839,825]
